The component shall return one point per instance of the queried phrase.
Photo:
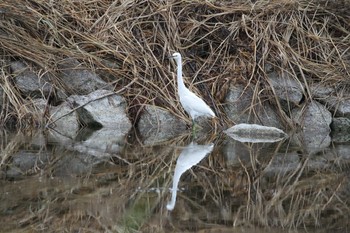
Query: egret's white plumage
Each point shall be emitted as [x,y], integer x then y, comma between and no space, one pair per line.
[192,104]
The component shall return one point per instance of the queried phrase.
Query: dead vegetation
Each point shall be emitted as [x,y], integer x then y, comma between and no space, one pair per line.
[128,42]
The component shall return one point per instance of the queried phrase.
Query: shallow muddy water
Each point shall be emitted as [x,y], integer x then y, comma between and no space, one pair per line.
[54,184]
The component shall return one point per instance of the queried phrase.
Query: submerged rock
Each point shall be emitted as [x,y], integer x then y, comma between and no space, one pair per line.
[157,124]
[283,163]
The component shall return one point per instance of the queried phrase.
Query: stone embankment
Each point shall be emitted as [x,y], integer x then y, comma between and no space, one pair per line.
[313,112]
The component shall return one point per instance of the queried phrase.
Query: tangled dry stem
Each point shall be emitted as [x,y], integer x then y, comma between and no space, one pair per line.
[222,43]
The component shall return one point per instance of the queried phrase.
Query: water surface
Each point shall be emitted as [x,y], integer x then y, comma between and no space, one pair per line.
[54,184]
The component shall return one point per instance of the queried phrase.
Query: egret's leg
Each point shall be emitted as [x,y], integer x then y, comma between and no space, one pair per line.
[193,129]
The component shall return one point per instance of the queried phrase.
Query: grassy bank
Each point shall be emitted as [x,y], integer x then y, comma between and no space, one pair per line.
[128,44]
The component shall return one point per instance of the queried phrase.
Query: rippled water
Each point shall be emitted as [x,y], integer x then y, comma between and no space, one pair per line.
[54,184]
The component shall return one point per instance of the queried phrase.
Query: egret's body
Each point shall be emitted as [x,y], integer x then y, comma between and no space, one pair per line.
[192,104]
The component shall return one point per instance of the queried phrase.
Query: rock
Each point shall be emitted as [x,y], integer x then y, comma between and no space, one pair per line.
[237,103]
[157,124]
[238,108]
[64,120]
[319,91]
[101,108]
[314,120]
[312,141]
[340,124]
[287,89]
[340,129]
[79,79]
[28,82]
[205,124]
[339,106]
[314,117]
[40,108]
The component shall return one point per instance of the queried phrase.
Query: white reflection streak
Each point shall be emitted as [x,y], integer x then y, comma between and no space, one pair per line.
[190,156]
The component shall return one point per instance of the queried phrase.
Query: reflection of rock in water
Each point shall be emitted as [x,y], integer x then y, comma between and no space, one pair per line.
[255,133]
[190,156]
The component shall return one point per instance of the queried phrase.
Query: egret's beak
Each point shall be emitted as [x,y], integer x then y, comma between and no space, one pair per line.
[170,57]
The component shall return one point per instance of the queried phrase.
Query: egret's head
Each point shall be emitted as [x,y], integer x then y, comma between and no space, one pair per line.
[177,57]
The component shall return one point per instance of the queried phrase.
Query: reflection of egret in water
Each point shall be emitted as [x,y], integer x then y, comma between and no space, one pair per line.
[190,156]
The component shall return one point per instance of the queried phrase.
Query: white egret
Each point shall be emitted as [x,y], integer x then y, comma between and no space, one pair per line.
[192,104]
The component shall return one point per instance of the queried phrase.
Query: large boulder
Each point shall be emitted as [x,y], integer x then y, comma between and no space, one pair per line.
[157,124]
[64,120]
[101,108]
[238,107]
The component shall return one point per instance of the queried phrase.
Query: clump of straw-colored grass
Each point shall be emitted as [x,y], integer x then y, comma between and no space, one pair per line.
[222,43]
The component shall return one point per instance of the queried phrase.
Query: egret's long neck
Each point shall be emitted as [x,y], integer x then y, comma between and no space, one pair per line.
[180,81]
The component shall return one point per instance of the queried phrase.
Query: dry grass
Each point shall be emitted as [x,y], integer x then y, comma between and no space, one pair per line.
[222,43]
